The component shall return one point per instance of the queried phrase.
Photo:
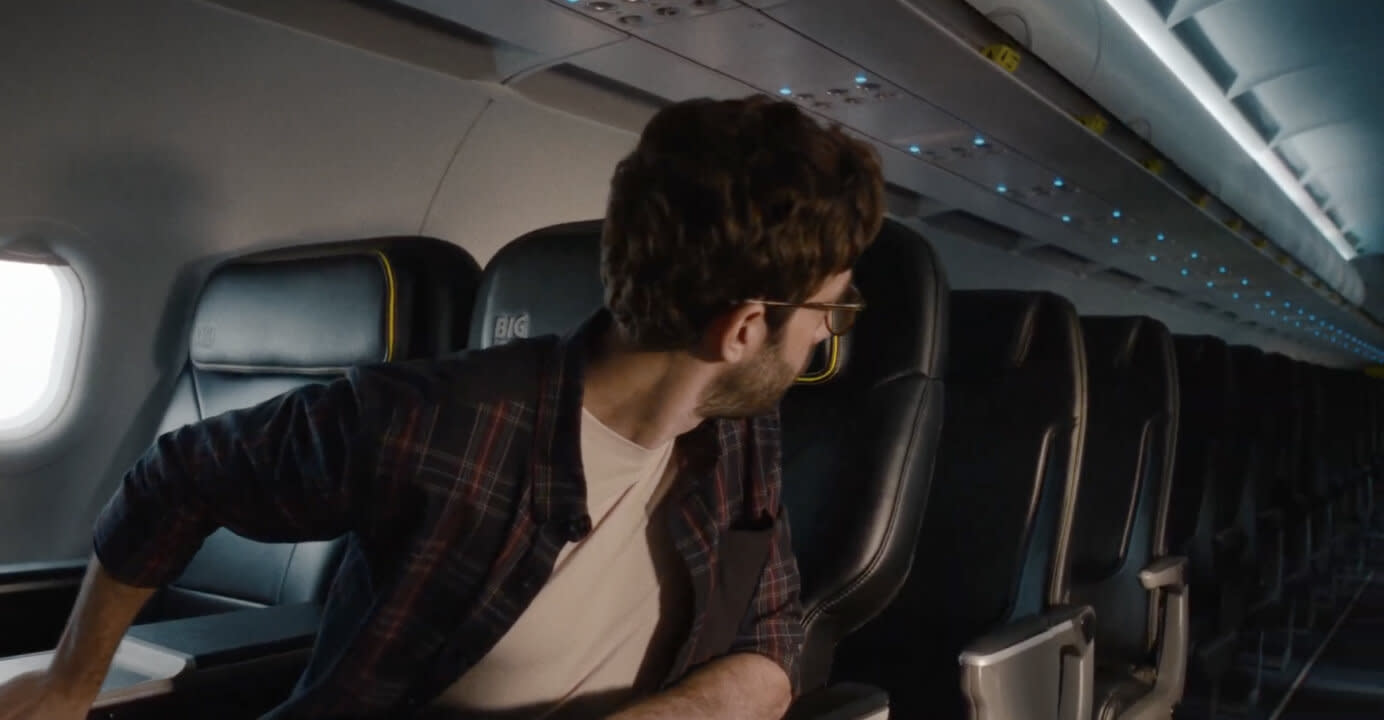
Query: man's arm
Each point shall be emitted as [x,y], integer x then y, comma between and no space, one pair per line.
[104,610]
[741,685]
[297,467]
[757,678]
[294,468]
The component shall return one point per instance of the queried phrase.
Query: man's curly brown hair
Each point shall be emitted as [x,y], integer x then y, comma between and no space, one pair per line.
[724,201]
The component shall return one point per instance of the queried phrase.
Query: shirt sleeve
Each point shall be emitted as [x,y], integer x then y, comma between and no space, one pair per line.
[296,467]
[773,626]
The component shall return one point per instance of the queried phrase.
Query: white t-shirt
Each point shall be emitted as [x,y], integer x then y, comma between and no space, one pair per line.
[605,627]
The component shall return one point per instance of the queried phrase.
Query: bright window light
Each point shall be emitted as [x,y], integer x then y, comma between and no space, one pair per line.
[1143,19]
[38,307]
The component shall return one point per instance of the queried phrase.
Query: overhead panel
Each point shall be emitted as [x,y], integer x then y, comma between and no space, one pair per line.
[1115,66]
[654,70]
[542,32]
[970,136]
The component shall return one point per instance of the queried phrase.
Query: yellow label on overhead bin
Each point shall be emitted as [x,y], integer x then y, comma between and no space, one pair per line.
[1095,122]
[1003,55]
[1154,165]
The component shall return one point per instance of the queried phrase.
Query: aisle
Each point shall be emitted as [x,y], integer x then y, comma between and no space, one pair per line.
[1348,679]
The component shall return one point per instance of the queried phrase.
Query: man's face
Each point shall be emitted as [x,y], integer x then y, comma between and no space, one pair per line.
[756,385]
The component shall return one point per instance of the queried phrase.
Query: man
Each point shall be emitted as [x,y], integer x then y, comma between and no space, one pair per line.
[578,527]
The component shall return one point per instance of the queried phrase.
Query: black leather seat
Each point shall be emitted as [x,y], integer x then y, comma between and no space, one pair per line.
[1204,521]
[1118,533]
[1316,483]
[1262,433]
[991,564]
[272,322]
[1286,476]
[1351,417]
[1263,438]
[858,448]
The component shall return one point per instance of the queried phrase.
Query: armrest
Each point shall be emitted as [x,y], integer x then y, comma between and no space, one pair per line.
[1169,573]
[16,577]
[1051,657]
[1166,576]
[225,638]
[843,701]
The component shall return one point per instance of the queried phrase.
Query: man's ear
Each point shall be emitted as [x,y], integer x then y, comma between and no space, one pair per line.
[735,334]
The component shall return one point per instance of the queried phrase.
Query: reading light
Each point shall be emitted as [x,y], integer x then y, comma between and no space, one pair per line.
[1058,182]
[1143,19]
[1160,237]
[1153,258]
[785,91]
[978,141]
[1001,188]
[1115,214]
[914,149]
[1114,240]
[1066,218]
[1195,254]
[1184,272]
[1244,281]
[861,79]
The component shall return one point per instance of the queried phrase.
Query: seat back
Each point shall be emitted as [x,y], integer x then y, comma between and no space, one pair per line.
[1126,478]
[1257,408]
[994,543]
[1204,374]
[269,323]
[857,450]
[1203,516]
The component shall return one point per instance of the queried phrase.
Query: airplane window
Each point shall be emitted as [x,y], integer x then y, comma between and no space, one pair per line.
[38,314]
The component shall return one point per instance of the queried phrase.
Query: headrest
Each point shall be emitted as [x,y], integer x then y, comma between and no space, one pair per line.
[1251,370]
[994,330]
[548,282]
[1203,358]
[544,283]
[1205,374]
[1111,341]
[1136,345]
[312,315]
[907,306]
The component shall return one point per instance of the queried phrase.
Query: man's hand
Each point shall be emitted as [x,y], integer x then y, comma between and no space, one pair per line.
[104,609]
[32,696]
[740,686]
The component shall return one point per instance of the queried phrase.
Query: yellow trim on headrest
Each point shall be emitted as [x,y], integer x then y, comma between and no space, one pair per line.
[389,309]
[833,365]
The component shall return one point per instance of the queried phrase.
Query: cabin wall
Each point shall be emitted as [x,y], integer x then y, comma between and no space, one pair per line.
[174,134]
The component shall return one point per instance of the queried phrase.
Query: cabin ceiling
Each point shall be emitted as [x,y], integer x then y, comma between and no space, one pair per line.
[1304,73]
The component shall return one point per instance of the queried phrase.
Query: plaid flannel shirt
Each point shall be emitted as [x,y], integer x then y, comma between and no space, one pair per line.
[456,481]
